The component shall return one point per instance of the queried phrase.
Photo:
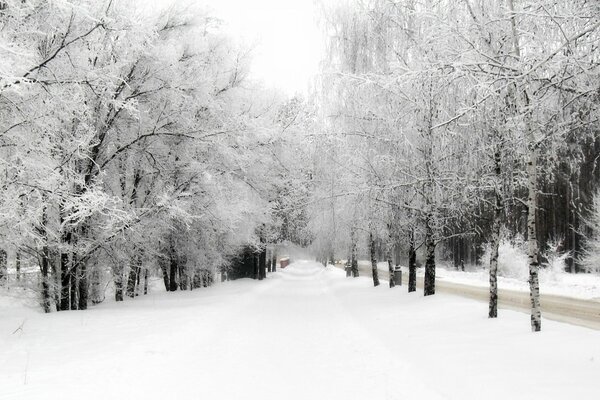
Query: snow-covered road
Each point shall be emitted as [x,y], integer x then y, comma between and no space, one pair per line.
[304,333]
[578,311]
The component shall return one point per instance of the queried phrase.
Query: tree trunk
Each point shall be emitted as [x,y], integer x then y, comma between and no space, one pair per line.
[262,263]
[145,281]
[373,261]
[354,261]
[391,271]
[133,277]
[172,271]
[274,261]
[118,279]
[97,292]
[74,278]
[44,267]
[183,275]
[18,265]
[429,280]
[388,256]
[55,276]
[348,266]
[255,267]
[65,281]
[533,256]
[83,287]
[495,239]
[412,262]
[162,263]
[3,265]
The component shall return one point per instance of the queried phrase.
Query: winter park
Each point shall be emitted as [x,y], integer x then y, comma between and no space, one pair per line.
[299,199]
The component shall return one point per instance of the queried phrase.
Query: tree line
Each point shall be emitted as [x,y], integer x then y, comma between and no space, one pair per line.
[130,142]
[449,125]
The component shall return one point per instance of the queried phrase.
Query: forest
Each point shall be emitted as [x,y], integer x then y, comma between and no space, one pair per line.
[136,145]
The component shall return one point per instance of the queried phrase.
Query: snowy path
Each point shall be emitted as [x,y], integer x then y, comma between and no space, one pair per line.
[304,333]
[576,311]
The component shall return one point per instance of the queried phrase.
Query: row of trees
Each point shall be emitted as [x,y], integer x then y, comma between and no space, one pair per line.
[449,124]
[131,143]
[134,142]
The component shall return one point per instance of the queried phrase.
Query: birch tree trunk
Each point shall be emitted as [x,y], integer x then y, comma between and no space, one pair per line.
[495,239]
[533,251]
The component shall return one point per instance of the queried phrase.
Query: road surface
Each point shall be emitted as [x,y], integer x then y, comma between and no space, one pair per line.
[580,312]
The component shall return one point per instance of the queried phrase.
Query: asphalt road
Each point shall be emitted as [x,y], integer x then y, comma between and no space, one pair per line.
[559,308]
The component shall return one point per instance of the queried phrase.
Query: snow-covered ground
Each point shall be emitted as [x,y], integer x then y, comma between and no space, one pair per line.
[306,332]
[582,286]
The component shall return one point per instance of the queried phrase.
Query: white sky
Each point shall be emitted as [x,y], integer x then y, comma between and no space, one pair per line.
[287,41]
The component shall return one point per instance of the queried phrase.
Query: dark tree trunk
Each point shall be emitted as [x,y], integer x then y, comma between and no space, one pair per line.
[183,278]
[389,256]
[268,264]
[3,265]
[255,267]
[65,281]
[118,278]
[197,280]
[274,261]
[429,281]
[74,279]
[373,261]
[146,281]
[162,263]
[54,263]
[354,261]
[412,262]
[83,287]
[18,266]
[173,271]
[262,263]
[207,278]
[132,278]
[45,267]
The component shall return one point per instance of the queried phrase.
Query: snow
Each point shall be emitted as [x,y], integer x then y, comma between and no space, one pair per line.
[583,286]
[552,281]
[306,332]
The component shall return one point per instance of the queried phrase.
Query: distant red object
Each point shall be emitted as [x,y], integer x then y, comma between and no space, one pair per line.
[284,262]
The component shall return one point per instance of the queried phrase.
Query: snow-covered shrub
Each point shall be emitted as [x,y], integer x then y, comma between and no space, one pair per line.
[512,259]
[556,263]
[591,254]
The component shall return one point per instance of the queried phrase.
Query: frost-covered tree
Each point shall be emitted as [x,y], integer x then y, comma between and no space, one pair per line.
[128,142]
